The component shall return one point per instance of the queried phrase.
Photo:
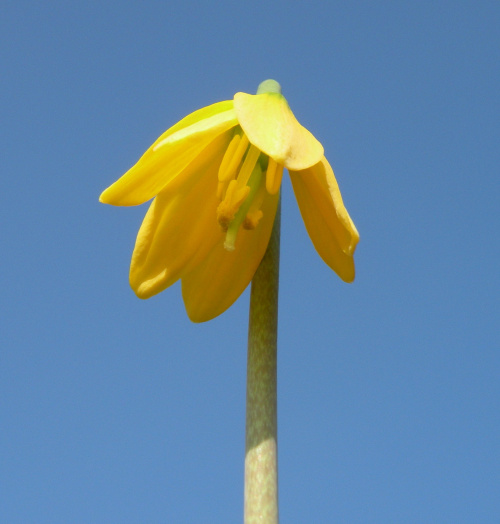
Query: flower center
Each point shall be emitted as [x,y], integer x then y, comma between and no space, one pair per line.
[242,186]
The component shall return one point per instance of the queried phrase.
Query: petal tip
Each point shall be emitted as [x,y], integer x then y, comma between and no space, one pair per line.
[102,197]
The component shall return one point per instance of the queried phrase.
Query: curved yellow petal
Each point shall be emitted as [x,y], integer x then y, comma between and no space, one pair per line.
[180,226]
[170,154]
[326,219]
[271,126]
[221,278]
[195,118]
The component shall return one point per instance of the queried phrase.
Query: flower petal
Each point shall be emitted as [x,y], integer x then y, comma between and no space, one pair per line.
[326,219]
[221,278]
[271,126]
[170,154]
[180,226]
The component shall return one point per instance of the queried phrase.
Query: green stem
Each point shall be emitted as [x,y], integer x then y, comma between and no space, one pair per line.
[261,472]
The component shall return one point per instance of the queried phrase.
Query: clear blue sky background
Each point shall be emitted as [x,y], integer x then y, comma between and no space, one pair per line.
[119,410]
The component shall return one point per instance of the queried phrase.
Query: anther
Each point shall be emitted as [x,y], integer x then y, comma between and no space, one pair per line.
[274,174]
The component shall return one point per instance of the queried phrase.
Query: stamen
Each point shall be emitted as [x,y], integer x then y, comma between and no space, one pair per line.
[241,188]
[232,157]
[248,165]
[234,226]
[228,156]
[228,208]
[237,190]
[252,219]
[221,189]
[230,162]
[274,174]
[254,213]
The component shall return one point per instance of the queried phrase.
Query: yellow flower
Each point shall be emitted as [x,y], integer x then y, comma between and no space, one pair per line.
[215,177]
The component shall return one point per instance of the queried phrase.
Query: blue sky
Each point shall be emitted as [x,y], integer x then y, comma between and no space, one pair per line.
[115,409]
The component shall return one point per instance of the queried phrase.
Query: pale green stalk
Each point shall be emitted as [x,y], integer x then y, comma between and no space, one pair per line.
[261,471]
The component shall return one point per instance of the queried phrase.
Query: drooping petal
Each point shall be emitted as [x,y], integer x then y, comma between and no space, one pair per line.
[271,126]
[180,226]
[221,278]
[170,154]
[326,219]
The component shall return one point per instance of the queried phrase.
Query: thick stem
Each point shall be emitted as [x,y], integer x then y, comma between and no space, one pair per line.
[261,472]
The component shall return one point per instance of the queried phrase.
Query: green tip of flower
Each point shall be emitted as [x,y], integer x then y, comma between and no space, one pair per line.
[269,86]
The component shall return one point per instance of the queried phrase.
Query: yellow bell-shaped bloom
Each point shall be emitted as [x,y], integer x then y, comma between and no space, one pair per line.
[215,178]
